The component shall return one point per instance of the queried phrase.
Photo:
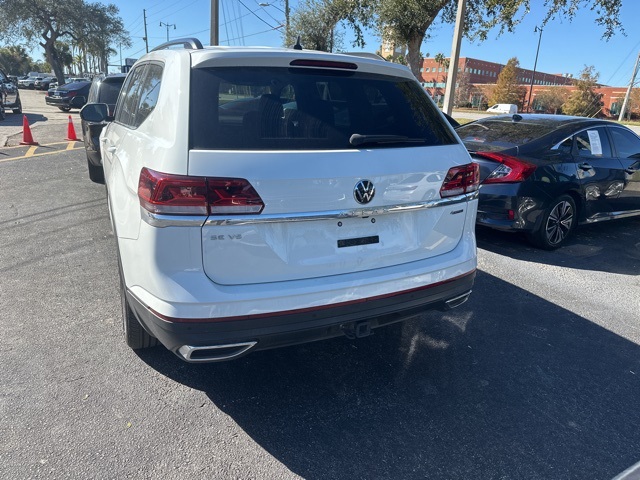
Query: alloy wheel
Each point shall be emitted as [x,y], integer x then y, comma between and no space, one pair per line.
[559,222]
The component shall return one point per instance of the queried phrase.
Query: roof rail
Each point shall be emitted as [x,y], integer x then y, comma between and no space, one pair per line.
[190,43]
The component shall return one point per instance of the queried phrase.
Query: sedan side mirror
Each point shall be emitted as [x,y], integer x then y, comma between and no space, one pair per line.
[95,112]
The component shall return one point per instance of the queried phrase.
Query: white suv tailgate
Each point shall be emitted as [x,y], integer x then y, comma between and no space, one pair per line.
[312,226]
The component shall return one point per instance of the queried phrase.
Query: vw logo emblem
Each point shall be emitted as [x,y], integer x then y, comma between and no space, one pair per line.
[364,191]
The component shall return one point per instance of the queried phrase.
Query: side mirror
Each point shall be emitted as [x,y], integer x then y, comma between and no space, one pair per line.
[95,112]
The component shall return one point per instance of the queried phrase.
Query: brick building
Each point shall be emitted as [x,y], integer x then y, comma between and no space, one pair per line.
[480,77]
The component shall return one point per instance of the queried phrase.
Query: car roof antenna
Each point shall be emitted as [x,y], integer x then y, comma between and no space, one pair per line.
[297,46]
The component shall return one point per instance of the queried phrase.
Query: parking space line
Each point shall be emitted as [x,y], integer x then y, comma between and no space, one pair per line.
[31,152]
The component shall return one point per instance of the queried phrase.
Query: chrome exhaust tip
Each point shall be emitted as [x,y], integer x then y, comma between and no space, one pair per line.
[214,353]
[457,301]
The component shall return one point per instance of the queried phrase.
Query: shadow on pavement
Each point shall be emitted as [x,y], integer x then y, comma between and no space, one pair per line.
[612,247]
[515,389]
[15,119]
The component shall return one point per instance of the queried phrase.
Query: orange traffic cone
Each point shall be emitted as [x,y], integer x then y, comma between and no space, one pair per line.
[71,132]
[27,138]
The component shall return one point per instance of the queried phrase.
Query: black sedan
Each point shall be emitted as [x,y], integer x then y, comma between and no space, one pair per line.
[71,95]
[545,174]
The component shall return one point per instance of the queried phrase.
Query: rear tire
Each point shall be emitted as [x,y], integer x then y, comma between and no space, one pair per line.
[558,223]
[96,173]
[65,109]
[18,109]
[134,334]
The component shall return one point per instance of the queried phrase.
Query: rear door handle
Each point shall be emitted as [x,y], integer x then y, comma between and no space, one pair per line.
[585,166]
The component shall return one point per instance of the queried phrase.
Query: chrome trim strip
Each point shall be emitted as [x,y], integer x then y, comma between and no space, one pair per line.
[161,221]
[339,214]
[187,350]
[459,300]
[602,217]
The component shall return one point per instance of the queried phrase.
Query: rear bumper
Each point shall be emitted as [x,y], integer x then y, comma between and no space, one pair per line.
[507,207]
[58,102]
[261,332]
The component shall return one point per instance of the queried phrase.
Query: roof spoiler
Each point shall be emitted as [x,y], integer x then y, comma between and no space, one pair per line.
[373,56]
[189,43]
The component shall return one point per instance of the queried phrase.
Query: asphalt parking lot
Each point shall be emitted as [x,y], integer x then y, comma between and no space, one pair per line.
[537,376]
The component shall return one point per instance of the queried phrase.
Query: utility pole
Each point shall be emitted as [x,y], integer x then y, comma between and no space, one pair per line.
[449,93]
[146,38]
[535,64]
[215,27]
[628,94]
[162,24]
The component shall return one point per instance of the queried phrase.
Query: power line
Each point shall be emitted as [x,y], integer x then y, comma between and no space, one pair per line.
[256,15]
[254,34]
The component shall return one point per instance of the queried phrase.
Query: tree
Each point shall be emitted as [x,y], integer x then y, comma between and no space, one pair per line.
[315,21]
[507,89]
[584,101]
[405,22]
[463,90]
[633,109]
[551,100]
[14,60]
[49,21]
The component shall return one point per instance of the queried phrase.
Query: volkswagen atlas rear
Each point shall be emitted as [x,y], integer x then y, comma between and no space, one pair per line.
[266,197]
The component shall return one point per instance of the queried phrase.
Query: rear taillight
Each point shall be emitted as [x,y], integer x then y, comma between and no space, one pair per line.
[167,194]
[71,93]
[510,170]
[459,180]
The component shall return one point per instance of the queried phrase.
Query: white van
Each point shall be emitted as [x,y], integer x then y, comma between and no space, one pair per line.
[509,108]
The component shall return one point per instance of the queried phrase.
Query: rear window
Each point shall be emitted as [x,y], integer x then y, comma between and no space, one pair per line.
[500,135]
[109,90]
[250,108]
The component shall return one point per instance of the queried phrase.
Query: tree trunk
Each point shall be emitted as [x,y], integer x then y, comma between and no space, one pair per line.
[414,59]
[52,58]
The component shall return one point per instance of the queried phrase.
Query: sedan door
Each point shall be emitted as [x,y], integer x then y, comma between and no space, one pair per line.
[627,149]
[601,174]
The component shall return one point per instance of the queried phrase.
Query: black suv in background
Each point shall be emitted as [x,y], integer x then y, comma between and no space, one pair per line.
[10,95]
[104,89]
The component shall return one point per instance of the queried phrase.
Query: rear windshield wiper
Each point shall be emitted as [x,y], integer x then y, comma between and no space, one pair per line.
[357,139]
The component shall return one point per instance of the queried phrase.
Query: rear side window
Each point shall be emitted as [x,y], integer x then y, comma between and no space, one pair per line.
[501,135]
[139,95]
[292,108]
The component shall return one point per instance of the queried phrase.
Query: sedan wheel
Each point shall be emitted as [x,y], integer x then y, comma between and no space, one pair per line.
[558,223]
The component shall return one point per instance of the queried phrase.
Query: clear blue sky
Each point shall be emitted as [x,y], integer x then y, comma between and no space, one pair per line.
[566,47]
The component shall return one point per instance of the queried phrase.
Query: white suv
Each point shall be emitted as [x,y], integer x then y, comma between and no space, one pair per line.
[264,197]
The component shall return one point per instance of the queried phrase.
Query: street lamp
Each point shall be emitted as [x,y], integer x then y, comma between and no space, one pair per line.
[535,64]
[286,14]
[162,24]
